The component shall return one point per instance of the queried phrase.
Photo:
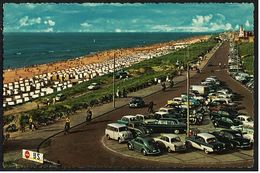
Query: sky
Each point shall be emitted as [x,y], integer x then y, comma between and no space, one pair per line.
[136,17]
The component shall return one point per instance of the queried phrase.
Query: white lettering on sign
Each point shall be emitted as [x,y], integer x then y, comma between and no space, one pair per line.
[32,155]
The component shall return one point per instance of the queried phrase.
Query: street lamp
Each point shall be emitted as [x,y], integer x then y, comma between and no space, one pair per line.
[188,100]
[114,101]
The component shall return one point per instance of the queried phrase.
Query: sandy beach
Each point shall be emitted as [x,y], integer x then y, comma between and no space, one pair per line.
[12,75]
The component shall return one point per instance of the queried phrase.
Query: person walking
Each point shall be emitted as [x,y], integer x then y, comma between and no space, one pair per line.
[31,123]
[89,115]
[67,125]
[150,107]
[163,86]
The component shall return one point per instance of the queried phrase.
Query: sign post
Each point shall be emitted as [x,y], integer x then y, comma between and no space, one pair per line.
[32,155]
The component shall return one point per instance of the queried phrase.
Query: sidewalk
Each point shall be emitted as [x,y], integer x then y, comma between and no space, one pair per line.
[30,137]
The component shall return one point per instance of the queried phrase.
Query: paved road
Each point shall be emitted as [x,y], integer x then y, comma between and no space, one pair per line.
[83,149]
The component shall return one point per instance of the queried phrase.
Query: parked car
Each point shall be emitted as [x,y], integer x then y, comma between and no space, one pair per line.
[138,129]
[136,102]
[171,142]
[127,119]
[118,132]
[247,133]
[219,121]
[246,120]
[145,145]
[206,142]
[166,125]
[229,145]
[235,137]
[11,128]
[94,86]
[60,97]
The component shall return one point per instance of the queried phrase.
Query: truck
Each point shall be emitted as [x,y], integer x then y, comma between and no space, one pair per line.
[202,89]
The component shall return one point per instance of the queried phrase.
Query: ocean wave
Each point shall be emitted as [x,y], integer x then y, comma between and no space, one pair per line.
[18,53]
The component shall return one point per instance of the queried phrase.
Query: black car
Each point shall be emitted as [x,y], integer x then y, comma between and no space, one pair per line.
[138,129]
[221,114]
[229,145]
[225,122]
[235,137]
[136,102]
[167,125]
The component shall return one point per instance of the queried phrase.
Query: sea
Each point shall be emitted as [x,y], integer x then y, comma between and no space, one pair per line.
[28,49]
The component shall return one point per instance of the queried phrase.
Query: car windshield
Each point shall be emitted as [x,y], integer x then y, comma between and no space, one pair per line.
[249,119]
[238,135]
[133,119]
[177,139]
[227,120]
[122,129]
[151,142]
[211,140]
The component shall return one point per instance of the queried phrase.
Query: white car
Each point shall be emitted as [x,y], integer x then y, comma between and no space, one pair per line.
[246,120]
[93,86]
[118,132]
[166,110]
[171,142]
[176,100]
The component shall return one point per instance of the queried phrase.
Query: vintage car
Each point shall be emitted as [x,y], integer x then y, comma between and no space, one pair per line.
[166,125]
[145,145]
[225,122]
[247,133]
[246,120]
[235,137]
[138,129]
[136,102]
[94,86]
[171,142]
[161,114]
[206,142]
[118,132]
[221,114]
[127,119]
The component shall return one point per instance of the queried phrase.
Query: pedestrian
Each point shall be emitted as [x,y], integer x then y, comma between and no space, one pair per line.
[89,115]
[171,83]
[38,106]
[163,86]
[124,93]
[67,125]
[219,64]
[22,126]
[30,123]
[150,107]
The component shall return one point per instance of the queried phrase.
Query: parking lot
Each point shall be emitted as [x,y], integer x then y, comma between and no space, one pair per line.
[101,153]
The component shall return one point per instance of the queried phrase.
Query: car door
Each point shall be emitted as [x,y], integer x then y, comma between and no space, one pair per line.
[198,142]
[138,144]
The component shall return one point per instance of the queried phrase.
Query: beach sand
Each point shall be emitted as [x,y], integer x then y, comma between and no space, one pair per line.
[13,75]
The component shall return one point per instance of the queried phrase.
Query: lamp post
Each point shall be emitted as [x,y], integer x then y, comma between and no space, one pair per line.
[114,101]
[188,101]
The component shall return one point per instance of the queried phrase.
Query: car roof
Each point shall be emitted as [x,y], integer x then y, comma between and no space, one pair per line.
[170,135]
[244,116]
[145,138]
[230,131]
[166,108]
[129,116]
[168,119]
[206,135]
[117,125]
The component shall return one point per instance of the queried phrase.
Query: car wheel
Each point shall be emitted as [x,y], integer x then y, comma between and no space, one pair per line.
[206,151]
[108,137]
[130,146]
[188,144]
[169,150]
[144,152]
[176,131]
[119,140]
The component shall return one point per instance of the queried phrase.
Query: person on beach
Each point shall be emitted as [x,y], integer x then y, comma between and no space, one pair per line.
[89,115]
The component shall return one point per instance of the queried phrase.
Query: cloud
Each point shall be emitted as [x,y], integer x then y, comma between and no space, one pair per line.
[85,24]
[30,5]
[47,30]
[118,30]
[220,26]
[236,27]
[26,21]
[201,20]
[49,22]
[247,23]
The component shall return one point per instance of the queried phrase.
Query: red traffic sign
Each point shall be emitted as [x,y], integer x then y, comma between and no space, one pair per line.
[27,154]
